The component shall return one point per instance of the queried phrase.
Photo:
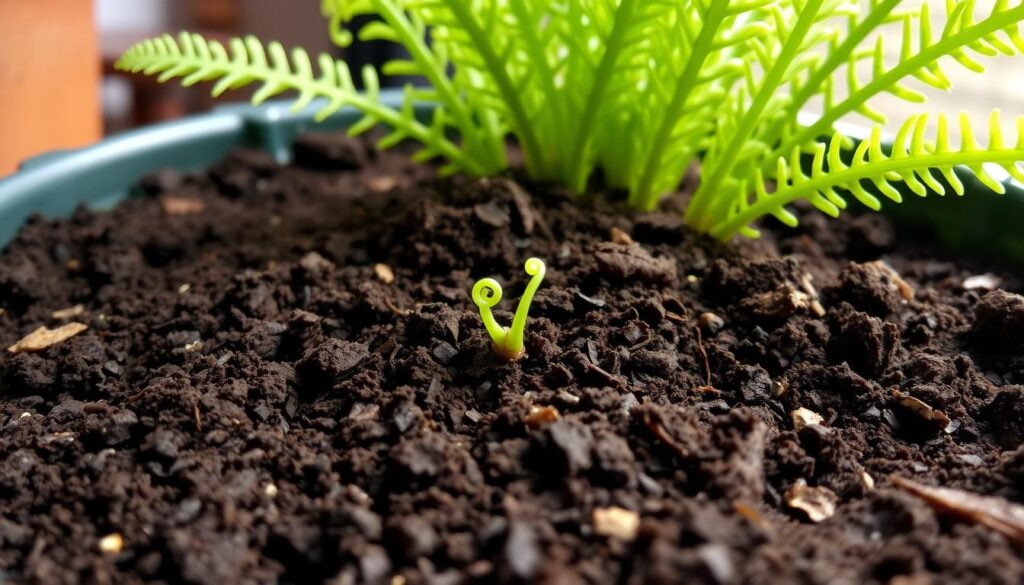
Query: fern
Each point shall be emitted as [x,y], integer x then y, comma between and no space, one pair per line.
[912,161]
[641,89]
[195,59]
[996,34]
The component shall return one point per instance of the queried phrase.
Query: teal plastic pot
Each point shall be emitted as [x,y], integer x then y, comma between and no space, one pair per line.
[99,176]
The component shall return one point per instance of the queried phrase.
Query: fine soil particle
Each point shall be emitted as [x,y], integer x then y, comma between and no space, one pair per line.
[255,400]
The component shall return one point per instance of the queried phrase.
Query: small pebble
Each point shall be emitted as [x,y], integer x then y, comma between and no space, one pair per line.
[711,322]
[384,273]
[112,544]
[616,522]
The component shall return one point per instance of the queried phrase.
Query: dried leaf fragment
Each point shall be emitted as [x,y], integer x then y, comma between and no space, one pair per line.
[779,303]
[384,273]
[541,415]
[174,205]
[921,409]
[68,313]
[752,515]
[653,424]
[808,287]
[616,522]
[619,236]
[44,337]
[802,417]
[112,543]
[902,287]
[818,503]
[996,513]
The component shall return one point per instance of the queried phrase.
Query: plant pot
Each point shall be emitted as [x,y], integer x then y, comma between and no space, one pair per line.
[258,373]
[101,175]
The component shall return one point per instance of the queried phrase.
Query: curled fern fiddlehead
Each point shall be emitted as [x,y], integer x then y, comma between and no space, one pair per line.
[508,342]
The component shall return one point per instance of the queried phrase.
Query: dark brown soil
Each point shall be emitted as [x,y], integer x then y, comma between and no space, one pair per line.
[253,403]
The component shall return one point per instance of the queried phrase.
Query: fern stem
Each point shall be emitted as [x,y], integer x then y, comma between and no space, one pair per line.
[521,122]
[838,178]
[882,83]
[414,42]
[642,194]
[696,212]
[535,50]
[577,162]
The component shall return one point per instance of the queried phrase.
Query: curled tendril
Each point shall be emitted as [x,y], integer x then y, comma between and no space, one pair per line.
[508,342]
[534,267]
[334,10]
[487,293]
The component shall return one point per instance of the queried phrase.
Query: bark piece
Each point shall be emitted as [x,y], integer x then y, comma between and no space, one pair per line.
[996,513]
[45,337]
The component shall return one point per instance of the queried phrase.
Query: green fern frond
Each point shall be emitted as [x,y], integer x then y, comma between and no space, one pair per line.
[471,33]
[667,145]
[640,89]
[921,53]
[718,165]
[631,27]
[195,59]
[912,161]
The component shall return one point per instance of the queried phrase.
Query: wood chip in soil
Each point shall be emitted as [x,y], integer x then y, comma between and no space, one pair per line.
[45,337]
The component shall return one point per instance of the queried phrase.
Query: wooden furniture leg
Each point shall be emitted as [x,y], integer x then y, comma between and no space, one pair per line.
[49,78]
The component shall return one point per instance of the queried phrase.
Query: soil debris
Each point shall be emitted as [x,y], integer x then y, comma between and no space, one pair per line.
[384,273]
[381,184]
[68,313]
[112,544]
[802,417]
[711,322]
[921,410]
[999,322]
[541,415]
[987,281]
[45,337]
[996,513]
[616,522]
[633,263]
[173,205]
[777,304]
[818,503]
[618,236]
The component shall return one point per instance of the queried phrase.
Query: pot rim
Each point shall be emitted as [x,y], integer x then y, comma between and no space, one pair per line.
[102,174]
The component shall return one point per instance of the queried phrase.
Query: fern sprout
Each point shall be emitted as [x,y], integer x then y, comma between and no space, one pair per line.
[508,341]
[641,89]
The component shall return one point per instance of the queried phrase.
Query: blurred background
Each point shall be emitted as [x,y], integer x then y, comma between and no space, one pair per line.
[59,89]
[58,86]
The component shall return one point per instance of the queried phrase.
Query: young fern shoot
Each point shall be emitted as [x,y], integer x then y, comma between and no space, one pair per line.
[644,89]
[508,341]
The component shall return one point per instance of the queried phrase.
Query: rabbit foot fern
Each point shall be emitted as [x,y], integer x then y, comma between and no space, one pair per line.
[508,341]
[641,89]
